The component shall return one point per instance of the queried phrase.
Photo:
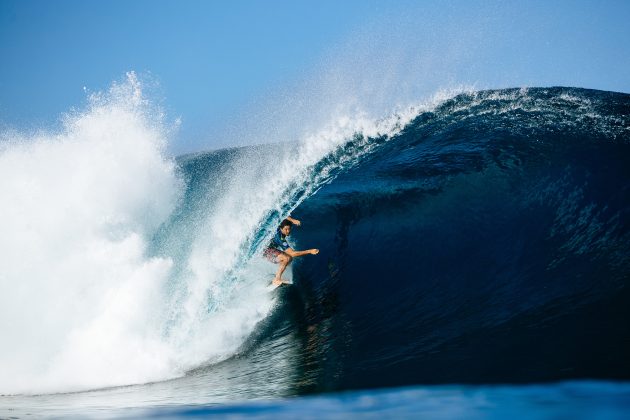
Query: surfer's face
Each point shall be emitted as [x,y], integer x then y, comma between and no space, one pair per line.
[286,230]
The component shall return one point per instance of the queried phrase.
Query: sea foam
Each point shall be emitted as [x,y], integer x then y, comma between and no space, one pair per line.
[90,298]
[79,292]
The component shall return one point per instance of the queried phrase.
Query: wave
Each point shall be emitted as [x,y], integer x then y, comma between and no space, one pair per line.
[437,225]
[489,241]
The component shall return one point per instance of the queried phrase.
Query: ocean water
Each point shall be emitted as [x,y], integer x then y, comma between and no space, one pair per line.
[475,260]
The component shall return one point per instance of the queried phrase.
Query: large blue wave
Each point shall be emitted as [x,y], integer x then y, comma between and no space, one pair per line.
[489,241]
[485,240]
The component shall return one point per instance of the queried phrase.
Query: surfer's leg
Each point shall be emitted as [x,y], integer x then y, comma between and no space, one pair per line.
[283,260]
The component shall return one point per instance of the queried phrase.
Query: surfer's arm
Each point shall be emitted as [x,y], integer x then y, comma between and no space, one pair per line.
[294,253]
[296,222]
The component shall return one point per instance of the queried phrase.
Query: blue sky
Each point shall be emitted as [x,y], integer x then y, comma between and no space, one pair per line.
[216,61]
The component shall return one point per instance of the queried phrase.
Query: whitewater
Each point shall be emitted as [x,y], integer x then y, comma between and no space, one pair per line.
[104,283]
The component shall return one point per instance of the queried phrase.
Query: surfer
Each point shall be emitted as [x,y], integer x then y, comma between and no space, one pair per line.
[280,252]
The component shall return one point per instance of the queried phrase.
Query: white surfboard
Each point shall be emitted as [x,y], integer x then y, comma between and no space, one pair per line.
[287,276]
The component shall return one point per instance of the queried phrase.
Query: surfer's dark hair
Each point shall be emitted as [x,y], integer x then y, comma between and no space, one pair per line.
[284,223]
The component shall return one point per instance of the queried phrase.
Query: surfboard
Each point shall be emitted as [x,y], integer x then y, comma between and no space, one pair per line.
[273,287]
[270,272]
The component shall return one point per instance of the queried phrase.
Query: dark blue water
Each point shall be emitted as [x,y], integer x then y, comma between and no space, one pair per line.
[476,247]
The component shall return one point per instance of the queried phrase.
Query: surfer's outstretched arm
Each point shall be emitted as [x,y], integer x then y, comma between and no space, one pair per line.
[294,253]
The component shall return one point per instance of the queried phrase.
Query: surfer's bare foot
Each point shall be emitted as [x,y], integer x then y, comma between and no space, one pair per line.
[279,282]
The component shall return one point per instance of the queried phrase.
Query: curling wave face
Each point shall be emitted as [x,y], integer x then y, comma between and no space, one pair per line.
[487,242]
[456,238]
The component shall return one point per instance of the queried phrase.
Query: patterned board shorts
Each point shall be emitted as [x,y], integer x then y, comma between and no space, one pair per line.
[272,254]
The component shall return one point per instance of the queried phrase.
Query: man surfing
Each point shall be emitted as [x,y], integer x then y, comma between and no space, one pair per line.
[280,252]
